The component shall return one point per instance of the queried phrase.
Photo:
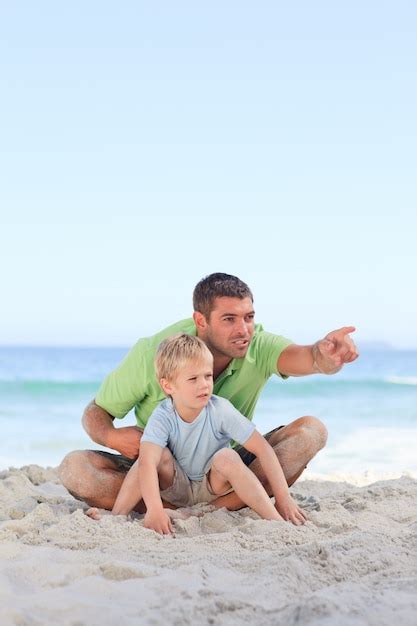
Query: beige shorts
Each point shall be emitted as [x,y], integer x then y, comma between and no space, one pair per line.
[186,492]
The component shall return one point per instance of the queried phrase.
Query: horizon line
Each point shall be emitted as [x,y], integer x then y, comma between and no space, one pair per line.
[373,345]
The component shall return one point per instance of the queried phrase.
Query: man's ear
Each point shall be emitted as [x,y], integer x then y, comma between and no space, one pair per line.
[166,386]
[199,320]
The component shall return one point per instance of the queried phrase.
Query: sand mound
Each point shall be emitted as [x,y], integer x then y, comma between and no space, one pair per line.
[353,563]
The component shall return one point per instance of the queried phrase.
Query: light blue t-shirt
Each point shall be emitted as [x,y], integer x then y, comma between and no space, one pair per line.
[194,444]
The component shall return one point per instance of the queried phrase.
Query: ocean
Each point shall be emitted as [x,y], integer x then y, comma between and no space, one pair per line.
[370,408]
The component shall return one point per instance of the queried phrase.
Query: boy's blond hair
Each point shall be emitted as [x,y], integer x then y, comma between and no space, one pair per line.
[175,352]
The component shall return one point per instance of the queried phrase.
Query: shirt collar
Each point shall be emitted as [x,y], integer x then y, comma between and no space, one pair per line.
[234,365]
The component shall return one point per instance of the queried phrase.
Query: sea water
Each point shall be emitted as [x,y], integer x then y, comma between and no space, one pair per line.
[369,408]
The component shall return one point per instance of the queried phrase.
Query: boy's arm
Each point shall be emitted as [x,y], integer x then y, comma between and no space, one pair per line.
[156,517]
[284,504]
[130,492]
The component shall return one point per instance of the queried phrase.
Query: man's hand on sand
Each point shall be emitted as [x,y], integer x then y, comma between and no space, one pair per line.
[336,349]
[125,440]
[290,512]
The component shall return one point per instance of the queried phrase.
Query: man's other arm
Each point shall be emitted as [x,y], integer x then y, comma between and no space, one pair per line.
[98,424]
[326,356]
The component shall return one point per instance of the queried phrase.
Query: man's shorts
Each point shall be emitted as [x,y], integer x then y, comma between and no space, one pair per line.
[123,463]
[248,457]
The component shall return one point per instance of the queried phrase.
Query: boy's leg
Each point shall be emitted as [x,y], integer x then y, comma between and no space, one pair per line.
[166,470]
[130,494]
[295,445]
[228,469]
[127,498]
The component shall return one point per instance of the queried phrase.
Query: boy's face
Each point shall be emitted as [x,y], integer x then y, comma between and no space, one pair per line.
[192,387]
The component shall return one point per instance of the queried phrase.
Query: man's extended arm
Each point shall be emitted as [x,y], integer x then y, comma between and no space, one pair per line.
[326,356]
[99,426]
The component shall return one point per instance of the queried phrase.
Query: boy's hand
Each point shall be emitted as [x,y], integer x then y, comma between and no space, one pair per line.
[289,511]
[159,521]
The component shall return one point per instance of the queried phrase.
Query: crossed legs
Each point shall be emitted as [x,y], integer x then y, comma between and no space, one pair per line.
[97,479]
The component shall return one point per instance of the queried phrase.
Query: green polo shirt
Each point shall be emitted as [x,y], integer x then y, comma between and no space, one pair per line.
[133,383]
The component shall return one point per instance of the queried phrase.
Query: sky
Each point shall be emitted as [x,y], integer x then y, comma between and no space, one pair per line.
[145,145]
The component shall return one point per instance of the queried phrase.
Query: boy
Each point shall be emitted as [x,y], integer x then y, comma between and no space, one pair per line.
[185,456]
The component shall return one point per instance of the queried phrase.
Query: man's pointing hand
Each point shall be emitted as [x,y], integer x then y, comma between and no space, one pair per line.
[336,349]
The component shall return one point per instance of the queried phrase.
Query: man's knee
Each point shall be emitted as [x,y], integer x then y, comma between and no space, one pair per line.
[74,466]
[70,463]
[313,429]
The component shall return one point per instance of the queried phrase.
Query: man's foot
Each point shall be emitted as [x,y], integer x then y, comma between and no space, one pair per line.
[95,513]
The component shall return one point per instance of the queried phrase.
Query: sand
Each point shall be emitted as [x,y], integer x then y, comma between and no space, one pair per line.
[354,562]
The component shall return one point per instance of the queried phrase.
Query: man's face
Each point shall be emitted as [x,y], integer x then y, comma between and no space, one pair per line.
[229,329]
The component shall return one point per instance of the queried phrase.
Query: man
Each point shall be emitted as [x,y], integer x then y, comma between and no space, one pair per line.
[245,356]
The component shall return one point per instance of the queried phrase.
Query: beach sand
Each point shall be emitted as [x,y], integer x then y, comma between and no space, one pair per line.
[354,562]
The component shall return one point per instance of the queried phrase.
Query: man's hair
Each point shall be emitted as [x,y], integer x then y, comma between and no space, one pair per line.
[175,352]
[218,286]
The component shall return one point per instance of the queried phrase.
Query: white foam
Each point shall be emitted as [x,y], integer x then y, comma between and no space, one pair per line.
[372,452]
[358,479]
[401,380]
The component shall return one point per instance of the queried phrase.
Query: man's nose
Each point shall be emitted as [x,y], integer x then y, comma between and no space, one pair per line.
[242,328]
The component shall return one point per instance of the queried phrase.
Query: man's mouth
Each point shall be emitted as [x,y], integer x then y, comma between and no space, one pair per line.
[240,343]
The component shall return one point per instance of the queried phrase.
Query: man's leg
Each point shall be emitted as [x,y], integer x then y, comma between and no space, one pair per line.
[130,494]
[295,445]
[94,477]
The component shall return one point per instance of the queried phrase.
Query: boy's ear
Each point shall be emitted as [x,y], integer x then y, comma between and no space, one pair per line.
[199,320]
[166,386]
